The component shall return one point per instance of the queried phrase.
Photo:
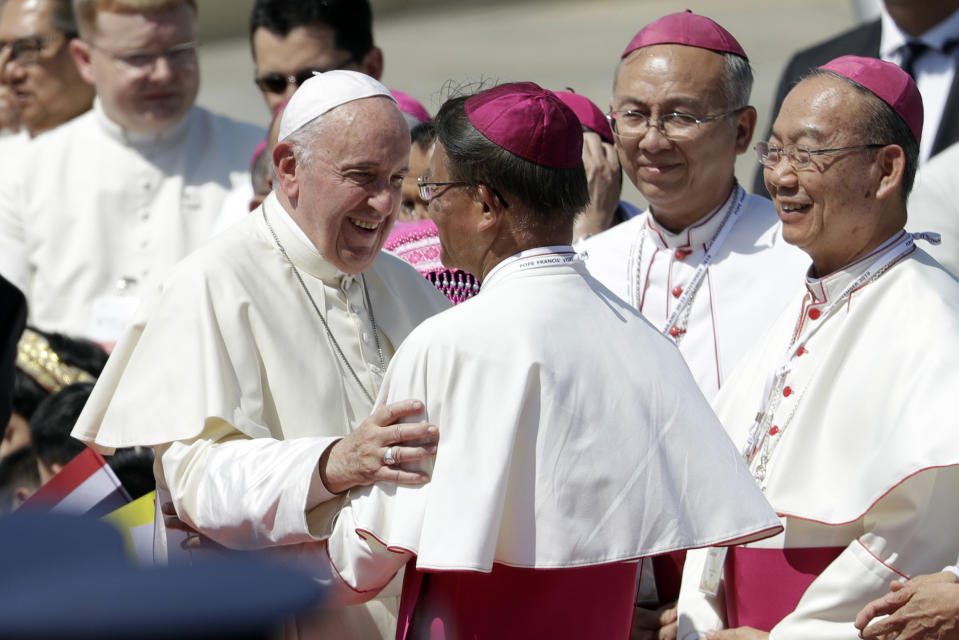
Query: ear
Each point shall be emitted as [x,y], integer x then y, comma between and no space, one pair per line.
[493,210]
[745,127]
[285,165]
[372,63]
[80,51]
[891,163]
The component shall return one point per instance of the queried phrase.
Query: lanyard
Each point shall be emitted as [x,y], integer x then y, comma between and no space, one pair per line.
[773,392]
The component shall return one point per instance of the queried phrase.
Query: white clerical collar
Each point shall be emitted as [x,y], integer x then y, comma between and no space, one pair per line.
[893,38]
[299,247]
[825,289]
[698,235]
[537,258]
[168,137]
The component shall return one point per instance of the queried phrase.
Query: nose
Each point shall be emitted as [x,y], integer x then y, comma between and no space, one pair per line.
[161,70]
[385,199]
[654,139]
[781,174]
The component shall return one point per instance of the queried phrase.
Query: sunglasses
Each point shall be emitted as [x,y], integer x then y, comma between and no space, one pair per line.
[274,82]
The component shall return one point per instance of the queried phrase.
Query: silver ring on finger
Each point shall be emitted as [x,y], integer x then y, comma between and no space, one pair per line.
[388,457]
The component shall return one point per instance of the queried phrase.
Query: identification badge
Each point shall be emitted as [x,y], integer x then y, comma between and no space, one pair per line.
[110,316]
[713,571]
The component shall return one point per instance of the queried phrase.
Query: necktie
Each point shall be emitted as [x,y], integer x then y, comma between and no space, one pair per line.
[912,51]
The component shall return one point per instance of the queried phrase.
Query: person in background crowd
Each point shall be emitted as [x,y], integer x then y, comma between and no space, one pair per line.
[46,363]
[292,39]
[128,188]
[36,67]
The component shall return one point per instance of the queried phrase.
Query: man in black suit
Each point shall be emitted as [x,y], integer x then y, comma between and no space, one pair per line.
[916,19]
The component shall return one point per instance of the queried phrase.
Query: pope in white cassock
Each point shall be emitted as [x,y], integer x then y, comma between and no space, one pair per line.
[845,411]
[706,263]
[254,370]
[97,210]
[573,438]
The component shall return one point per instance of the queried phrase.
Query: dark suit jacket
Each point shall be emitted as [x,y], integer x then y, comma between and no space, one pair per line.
[861,41]
[13,311]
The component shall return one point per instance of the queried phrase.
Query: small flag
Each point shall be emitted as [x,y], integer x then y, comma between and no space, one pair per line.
[85,486]
[135,521]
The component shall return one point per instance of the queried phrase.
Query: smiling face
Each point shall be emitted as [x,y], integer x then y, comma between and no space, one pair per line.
[828,208]
[149,99]
[682,180]
[49,91]
[346,196]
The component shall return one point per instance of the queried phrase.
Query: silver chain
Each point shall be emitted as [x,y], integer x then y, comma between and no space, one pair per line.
[329,333]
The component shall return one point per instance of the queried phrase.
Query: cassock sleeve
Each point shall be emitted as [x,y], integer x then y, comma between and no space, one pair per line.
[224,484]
[908,532]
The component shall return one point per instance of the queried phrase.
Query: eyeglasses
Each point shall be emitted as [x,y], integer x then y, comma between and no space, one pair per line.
[274,82]
[673,126]
[427,188]
[177,56]
[799,155]
[29,50]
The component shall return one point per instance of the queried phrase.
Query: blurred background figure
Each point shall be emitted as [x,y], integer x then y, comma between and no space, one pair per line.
[46,363]
[291,39]
[130,187]
[41,86]
[19,479]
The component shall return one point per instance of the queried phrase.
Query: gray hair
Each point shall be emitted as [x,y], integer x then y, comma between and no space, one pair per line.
[881,124]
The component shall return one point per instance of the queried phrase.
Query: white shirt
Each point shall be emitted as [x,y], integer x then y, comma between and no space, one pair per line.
[94,213]
[862,451]
[231,376]
[934,70]
[750,280]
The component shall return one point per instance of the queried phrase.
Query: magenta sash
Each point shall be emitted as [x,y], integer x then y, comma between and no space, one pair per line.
[764,585]
[583,602]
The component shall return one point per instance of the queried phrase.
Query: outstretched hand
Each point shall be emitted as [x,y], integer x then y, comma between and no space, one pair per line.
[361,459]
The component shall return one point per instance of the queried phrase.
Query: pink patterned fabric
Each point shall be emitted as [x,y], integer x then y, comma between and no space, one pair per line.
[417,242]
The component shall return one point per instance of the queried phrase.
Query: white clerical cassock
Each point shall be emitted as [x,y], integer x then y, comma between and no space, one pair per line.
[854,447]
[93,216]
[573,441]
[229,374]
[714,317]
